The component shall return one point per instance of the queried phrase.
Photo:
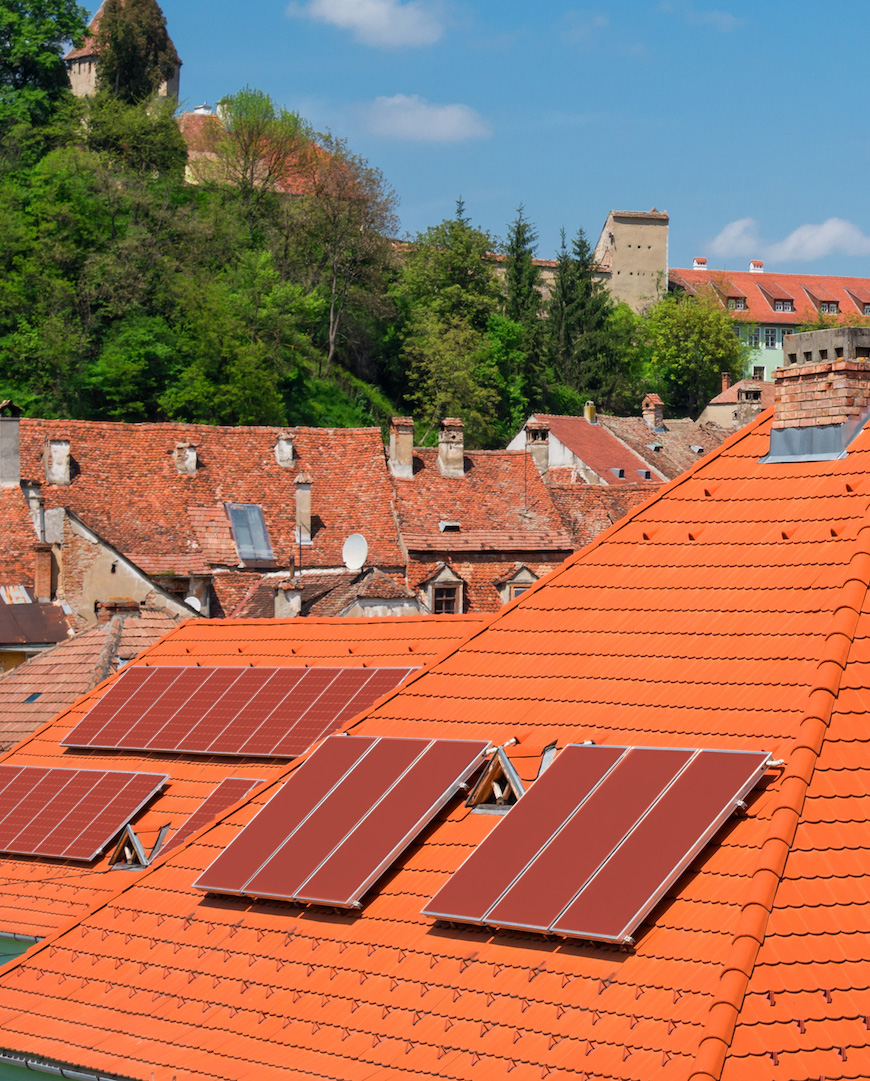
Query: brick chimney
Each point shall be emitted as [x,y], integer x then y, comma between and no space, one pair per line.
[10,445]
[42,571]
[402,447]
[726,381]
[303,508]
[56,461]
[653,411]
[184,457]
[451,447]
[538,444]
[822,394]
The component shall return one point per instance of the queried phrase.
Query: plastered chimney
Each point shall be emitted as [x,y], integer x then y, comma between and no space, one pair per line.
[288,600]
[589,412]
[284,452]
[402,447]
[10,445]
[538,444]
[303,508]
[653,411]
[55,461]
[184,457]
[451,447]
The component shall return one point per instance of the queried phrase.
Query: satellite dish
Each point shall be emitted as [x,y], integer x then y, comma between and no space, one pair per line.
[354,551]
[194,603]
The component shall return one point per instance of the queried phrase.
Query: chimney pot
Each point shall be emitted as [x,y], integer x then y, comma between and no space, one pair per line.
[288,600]
[56,461]
[538,444]
[451,447]
[402,447]
[10,445]
[700,263]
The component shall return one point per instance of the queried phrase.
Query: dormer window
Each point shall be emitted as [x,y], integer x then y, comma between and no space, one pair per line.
[445,600]
[830,307]
[449,527]
[783,306]
[617,472]
[737,304]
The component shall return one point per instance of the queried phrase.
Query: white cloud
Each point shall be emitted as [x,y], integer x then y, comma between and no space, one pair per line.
[836,236]
[723,21]
[410,117]
[389,24]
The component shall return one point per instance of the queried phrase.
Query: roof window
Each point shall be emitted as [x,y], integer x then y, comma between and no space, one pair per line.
[449,527]
[33,697]
[249,532]
[499,787]
[620,473]
[645,474]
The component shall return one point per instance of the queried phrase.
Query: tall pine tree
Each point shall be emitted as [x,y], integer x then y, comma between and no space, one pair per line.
[135,52]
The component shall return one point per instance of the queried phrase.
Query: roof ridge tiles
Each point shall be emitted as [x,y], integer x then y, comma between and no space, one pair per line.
[775,849]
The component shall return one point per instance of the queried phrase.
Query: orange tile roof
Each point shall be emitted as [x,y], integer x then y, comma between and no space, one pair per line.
[731,610]
[37,897]
[731,395]
[763,289]
[17,559]
[597,447]
[675,454]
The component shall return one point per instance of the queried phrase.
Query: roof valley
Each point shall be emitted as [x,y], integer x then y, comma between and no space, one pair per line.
[752,927]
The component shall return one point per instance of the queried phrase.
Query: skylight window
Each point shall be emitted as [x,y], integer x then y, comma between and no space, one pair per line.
[249,532]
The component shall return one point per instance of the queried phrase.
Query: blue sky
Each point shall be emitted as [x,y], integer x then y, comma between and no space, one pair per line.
[745,121]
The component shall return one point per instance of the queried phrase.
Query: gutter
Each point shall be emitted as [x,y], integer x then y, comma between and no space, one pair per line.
[45,1068]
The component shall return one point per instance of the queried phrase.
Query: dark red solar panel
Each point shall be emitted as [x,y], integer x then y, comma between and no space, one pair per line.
[501,858]
[342,818]
[598,840]
[587,837]
[247,711]
[228,792]
[120,692]
[283,813]
[67,812]
[394,821]
[662,845]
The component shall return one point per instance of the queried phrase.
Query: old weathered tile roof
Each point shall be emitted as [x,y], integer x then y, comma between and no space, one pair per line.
[729,611]
[39,896]
[57,677]
[500,494]
[762,290]
[674,454]
[127,488]
[592,508]
[732,394]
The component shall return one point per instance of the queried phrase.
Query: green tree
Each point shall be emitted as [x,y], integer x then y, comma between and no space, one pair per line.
[690,341]
[253,148]
[447,294]
[450,374]
[522,277]
[135,54]
[143,138]
[335,239]
[33,77]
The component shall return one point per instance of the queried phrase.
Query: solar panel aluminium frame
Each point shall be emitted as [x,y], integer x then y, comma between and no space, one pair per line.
[158,781]
[672,874]
[353,899]
[153,744]
[624,936]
